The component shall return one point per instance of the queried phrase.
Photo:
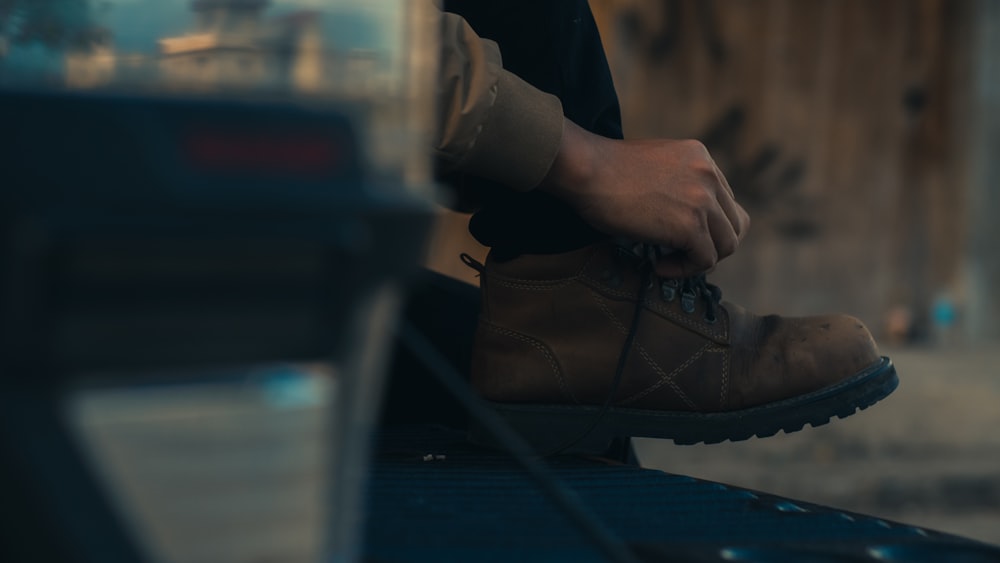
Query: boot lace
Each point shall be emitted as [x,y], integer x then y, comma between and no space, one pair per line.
[689,290]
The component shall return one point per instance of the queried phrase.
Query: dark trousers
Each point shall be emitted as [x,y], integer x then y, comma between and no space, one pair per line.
[554,45]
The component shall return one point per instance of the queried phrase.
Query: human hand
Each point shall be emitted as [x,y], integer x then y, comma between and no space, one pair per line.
[664,192]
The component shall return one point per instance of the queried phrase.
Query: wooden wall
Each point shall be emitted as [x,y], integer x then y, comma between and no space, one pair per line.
[838,123]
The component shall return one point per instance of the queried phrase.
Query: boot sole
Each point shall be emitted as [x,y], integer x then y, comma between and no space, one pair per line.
[563,428]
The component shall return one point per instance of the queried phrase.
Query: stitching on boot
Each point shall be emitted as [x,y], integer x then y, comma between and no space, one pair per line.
[724,390]
[541,347]
[545,285]
[665,378]
[521,283]
[652,304]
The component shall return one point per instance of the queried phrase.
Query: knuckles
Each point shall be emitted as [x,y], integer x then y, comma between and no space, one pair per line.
[727,247]
[696,148]
[699,197]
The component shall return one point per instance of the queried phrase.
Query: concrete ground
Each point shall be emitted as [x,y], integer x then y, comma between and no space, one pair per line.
[927,455]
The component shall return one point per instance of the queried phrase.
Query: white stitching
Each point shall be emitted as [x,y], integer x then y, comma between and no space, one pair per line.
[536,287]
[724,390]
[541,348]
[521,283]
[557,281]
[664,377]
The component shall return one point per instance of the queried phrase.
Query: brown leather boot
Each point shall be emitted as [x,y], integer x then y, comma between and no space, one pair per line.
[566,354]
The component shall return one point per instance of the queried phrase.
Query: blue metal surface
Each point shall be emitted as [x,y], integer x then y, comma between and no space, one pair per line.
[475,505]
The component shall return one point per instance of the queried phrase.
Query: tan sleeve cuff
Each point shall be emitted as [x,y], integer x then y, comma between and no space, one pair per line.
[520,136]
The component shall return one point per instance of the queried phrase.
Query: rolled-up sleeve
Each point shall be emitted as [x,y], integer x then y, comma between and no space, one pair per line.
[492,124]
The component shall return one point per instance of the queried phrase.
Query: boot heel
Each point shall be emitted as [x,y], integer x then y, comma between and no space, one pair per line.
[549,430]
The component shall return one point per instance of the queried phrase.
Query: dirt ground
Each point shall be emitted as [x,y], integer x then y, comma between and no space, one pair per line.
[927,455]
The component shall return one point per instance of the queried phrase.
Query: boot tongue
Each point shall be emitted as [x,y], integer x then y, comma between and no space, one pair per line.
[692,288]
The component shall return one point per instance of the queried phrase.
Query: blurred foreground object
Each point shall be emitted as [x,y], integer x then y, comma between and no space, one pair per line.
[195,200]
[381,54]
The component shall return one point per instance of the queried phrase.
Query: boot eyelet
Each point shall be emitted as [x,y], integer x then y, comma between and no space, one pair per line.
[668,292]
[612,278]
[711,319]
[688,302]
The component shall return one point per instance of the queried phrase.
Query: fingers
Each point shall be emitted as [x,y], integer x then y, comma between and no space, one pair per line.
[665,192]
[701,253]
[738,217]
[719,240]
[674,266]
[677,266]
[724,194]
[722,179]
[723,235]
[716,235]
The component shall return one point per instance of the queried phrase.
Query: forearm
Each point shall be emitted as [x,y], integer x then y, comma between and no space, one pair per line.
[492,124]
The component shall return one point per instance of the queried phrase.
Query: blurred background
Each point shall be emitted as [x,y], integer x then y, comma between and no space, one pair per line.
[860,135]
[862,138]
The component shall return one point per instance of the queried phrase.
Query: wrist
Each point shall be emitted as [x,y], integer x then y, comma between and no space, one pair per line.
[575,164]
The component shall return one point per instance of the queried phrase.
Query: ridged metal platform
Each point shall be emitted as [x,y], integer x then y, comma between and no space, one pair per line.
[434,497]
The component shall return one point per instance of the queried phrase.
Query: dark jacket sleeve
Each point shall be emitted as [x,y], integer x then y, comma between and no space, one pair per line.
[492,124]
